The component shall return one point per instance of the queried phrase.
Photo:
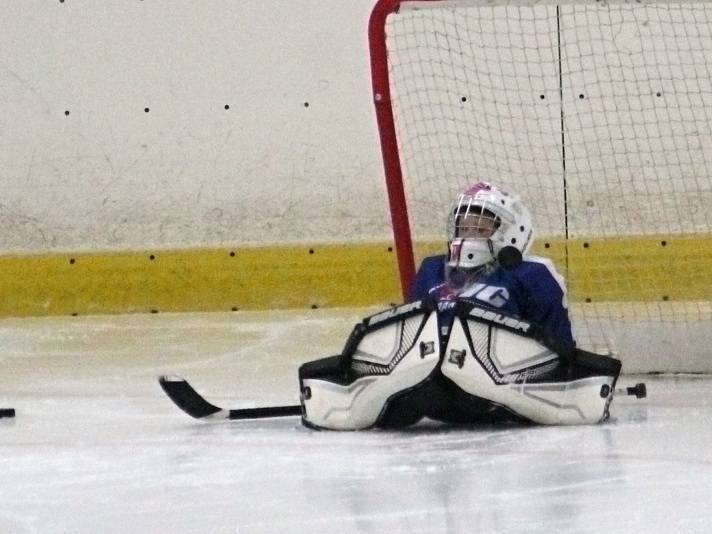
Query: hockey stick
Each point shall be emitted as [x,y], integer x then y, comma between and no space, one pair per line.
[7,412]
[191,402]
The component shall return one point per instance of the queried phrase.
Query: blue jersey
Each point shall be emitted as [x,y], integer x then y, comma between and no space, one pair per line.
[532,291]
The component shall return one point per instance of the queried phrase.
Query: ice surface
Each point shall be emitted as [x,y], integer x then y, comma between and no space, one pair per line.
[96,446]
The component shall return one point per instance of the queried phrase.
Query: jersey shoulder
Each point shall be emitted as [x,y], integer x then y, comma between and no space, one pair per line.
[431,263]
[538,263]
[430,274]
[540,268]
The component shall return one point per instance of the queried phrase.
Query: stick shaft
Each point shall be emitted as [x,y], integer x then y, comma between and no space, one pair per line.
[265,412]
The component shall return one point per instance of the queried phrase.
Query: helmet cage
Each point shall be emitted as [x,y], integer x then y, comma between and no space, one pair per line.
[512,224]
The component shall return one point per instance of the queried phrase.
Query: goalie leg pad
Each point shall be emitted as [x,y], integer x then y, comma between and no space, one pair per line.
[524,376]
[389,359]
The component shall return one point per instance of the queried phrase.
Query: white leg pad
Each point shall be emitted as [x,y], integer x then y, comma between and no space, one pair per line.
[499,371]
[358,405]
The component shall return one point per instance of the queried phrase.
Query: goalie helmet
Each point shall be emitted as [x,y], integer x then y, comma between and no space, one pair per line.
[483,221]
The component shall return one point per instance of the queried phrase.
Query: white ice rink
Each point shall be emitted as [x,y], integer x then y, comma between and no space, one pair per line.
[96,446]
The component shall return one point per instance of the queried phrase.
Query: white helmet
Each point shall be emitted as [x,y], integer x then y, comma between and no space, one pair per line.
[501,221]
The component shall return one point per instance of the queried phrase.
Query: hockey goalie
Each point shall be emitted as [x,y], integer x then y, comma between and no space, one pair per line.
[486,338]
[398,367]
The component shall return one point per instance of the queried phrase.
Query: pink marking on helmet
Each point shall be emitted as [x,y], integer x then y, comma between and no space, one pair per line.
[479,186]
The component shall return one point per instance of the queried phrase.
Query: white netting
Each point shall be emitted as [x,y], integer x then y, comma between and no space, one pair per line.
[598,114]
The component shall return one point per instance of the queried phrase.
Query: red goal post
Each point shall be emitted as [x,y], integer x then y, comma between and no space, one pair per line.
[389,143]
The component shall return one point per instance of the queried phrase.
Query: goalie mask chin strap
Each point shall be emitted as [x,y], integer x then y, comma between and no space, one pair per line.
[469,253]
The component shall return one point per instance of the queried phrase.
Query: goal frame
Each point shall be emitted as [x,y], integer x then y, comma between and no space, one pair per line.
[637,284]
[380,81]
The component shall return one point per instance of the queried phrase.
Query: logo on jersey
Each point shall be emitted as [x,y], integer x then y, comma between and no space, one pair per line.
[493,295]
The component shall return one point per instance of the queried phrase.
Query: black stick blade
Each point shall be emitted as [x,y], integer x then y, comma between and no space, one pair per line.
[7,412]
[189,400]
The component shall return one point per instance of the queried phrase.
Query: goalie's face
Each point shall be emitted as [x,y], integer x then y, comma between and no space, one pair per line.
[477,224]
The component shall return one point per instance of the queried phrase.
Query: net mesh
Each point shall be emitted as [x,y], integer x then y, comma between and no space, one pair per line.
[598,115]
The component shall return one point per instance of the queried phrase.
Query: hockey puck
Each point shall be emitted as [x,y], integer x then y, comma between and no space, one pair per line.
[7,412]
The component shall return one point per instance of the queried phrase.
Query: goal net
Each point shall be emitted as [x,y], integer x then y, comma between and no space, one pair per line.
[599,115]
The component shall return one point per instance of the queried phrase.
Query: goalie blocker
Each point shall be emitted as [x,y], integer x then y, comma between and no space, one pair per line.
[476,366]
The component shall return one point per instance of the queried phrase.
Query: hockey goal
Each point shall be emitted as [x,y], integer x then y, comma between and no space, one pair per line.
[599,114]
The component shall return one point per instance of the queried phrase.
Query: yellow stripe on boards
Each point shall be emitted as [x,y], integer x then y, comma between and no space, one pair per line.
[198,280]
[642,269]
[634,269]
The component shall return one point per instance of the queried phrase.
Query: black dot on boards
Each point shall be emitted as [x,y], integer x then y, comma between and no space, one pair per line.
[154,311]
[234,308]
[547,245]
[663,243]
[152,257]
[390,249]
[585,245]
[314,306]
[311,251]
[232,254]
[72,261]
